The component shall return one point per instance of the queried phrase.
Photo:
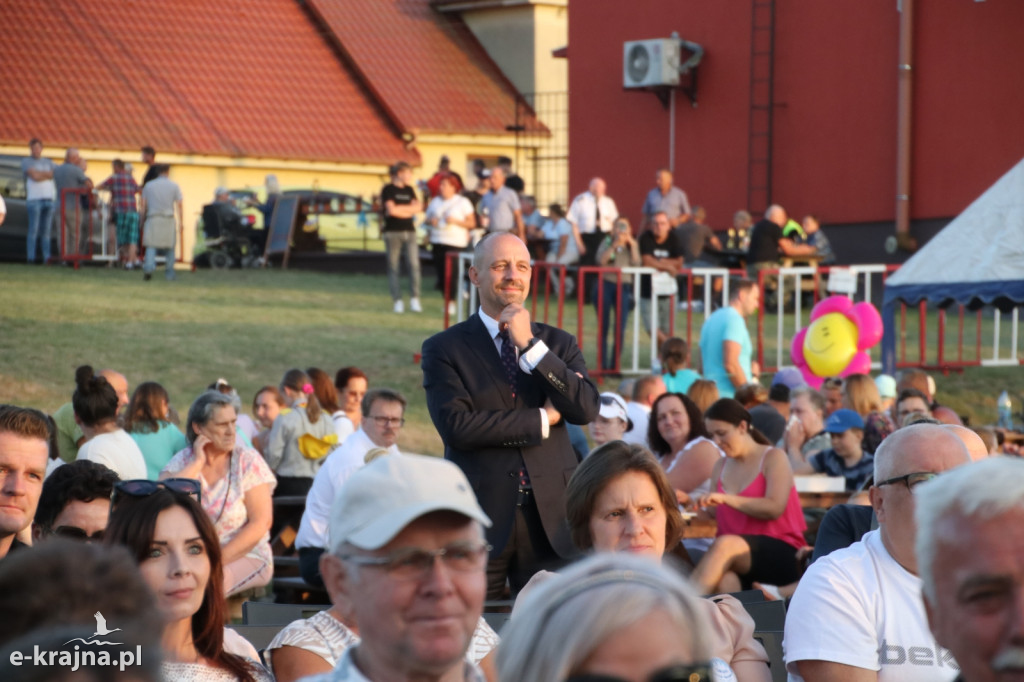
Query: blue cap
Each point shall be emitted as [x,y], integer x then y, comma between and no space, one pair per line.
[843,420]
[790,377]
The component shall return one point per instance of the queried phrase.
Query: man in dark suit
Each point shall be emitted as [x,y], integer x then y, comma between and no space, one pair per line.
[500,389]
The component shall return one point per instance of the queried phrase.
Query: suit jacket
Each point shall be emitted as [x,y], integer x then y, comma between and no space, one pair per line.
[490,434]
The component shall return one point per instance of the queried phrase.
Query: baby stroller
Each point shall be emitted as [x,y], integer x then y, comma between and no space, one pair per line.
[227,240]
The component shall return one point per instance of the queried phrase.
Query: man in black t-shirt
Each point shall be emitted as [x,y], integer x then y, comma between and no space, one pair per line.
[400,205]
[767,242]
[659,249]
[149,158]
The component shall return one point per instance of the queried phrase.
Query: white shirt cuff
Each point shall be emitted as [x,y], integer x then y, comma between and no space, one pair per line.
[529,360]
[545,425]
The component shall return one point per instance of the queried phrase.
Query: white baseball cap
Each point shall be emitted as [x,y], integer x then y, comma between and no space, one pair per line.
[612,406]
[389,493]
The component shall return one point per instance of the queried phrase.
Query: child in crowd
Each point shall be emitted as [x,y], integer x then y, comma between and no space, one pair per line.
[675,361]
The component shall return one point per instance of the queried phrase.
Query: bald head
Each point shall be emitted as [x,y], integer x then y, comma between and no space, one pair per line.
[976,447]
[71,155]
[776,214]
[597,187]
[919,447]
[119,383]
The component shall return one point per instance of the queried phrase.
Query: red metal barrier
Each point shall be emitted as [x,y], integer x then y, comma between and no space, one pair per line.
[599,271]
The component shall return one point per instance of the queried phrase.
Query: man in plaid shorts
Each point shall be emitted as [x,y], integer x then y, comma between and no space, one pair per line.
[123,189]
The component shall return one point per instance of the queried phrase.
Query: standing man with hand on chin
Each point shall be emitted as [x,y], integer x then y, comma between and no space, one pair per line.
[500,389]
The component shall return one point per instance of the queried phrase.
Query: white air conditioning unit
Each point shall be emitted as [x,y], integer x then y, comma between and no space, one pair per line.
[649,63]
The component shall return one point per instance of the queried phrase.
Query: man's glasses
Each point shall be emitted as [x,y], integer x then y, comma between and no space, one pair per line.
[695,672]
[76,533]
[413,563]
[910,480]
[388,421]
[141,487]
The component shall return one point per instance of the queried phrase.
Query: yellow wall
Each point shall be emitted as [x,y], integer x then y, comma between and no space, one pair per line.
[520,38]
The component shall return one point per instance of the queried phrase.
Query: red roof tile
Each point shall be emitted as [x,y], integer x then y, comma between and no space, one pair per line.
[236,77]
[426,67]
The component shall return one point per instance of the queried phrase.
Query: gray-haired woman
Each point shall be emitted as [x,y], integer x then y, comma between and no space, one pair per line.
[609,617]
[237,486]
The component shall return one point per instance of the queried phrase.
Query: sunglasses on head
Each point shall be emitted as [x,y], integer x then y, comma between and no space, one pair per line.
[141,487]
[697,672]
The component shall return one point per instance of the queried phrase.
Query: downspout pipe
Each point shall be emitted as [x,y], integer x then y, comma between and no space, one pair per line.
[905,76]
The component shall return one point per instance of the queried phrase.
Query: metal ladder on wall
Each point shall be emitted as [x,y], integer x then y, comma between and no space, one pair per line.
[759,143]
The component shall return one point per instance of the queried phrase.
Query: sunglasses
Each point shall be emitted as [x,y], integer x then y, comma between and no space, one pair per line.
[910,480]
[696,672]
[141,487]
[76,533]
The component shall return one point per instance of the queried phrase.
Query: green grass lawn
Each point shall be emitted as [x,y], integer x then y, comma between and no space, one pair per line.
[251,326]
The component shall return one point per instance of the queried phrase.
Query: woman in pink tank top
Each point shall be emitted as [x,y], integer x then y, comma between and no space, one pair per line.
[760,521]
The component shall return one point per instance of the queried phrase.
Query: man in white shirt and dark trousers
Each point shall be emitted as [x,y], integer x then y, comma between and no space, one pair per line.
[592,214]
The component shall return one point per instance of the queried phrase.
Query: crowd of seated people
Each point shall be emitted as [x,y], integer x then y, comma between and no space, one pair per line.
[158,555]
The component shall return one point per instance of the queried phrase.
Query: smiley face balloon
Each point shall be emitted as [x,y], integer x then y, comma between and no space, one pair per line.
[837,339]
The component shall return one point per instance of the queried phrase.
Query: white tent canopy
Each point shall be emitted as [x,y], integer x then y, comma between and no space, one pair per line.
[977,259]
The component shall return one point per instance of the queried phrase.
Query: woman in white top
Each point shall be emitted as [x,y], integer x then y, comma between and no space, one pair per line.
[95,405]
[352,384]
[564,242]
[450,217]
[677,436]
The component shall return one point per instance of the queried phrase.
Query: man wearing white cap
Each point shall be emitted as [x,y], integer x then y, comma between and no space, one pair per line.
[407,550]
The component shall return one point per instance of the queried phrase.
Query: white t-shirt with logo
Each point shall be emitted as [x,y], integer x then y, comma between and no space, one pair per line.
[859,607]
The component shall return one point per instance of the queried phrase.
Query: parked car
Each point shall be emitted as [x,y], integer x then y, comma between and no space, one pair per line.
[14,230]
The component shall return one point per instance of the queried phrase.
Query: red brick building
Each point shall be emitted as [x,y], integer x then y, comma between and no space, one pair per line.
[833,142]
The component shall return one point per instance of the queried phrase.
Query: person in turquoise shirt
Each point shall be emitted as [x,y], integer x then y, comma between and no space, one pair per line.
[149,427]
[675,360]
[725,347]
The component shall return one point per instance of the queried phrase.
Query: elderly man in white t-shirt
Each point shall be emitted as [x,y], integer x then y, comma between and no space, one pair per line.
[383,417]
[858,614]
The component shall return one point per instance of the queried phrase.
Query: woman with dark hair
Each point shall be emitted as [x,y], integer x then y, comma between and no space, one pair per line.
[286,452]
[95,405]
[676,434]
[352,385]
[760,521]
[179,556]
[148,425]
[325,392]
[267,404]
[619,500]
[237,486]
